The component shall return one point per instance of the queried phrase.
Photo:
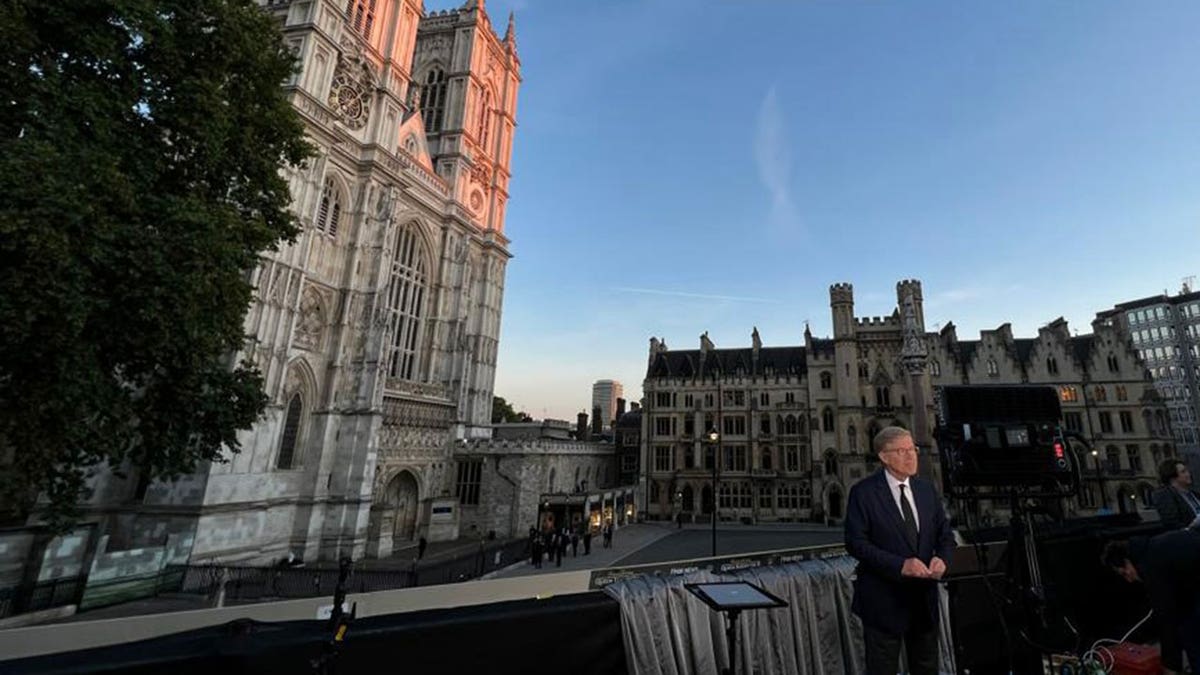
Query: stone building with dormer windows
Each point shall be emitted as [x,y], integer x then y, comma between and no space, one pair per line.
[795,423]
[377,328]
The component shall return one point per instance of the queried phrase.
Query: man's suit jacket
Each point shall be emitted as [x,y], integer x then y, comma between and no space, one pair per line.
[875,537]
[1172,508]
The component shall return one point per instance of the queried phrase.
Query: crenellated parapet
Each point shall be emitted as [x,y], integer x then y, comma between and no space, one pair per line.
[877,321]
[841,293]
[906,286]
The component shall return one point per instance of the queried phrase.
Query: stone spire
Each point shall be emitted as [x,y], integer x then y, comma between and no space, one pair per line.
[510,35]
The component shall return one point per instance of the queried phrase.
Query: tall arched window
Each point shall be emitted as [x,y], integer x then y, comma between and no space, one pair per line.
[329,211]
[935,368]
[407,301]
[433,100]
[827,420]
[992,368]
[831,464]
[485,118]
[291,433]
[361,14]
[826,381]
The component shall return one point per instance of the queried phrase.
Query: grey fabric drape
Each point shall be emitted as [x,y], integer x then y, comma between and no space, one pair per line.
[667,631]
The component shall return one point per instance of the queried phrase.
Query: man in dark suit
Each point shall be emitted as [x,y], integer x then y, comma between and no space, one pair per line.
[897,530]
[1178,505]
[1167,565]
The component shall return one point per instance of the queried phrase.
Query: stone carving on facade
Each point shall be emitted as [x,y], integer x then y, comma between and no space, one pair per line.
[481,173]
[353,85]
[914,352]
[311,324]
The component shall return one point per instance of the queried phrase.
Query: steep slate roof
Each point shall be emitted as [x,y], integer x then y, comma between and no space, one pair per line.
[686,363]
[630,420]
[1082,346]
[966,351]
[822,346]
[1024,348]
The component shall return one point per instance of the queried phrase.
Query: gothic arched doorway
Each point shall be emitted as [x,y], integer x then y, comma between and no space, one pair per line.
[402,492]
[706,500]
[394,515]
[833,505]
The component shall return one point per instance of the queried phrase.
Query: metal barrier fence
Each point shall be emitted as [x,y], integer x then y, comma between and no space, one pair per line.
[256,584]
[253,584]
[41,595]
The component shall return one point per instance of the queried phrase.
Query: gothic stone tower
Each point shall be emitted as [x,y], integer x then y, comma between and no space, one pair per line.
[377,328]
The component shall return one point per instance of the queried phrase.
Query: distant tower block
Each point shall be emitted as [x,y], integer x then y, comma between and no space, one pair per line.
[604,398]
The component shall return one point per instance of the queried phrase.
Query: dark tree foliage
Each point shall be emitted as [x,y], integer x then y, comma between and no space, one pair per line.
[141,148]
[502,411]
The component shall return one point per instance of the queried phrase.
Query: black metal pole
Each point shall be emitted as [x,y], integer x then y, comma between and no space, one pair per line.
[1100,475]
[714,499]
[731,639]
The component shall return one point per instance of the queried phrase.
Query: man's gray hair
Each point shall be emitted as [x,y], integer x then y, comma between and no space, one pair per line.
[886,436]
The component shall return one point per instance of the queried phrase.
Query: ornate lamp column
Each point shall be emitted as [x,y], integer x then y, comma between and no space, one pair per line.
[913,357]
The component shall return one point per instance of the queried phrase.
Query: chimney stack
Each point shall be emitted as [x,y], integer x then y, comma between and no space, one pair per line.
[581,427]
[597,421]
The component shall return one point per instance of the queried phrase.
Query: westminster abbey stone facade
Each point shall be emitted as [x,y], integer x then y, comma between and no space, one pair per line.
[377,328]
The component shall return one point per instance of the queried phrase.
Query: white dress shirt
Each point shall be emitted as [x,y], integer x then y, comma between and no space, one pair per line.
[894,486]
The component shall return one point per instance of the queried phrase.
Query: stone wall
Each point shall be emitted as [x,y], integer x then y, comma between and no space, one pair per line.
[517,473]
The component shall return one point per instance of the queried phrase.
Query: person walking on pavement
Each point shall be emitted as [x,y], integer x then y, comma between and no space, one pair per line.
[575,543]
[422,544]
[559,547]
[535,548]
[587,540]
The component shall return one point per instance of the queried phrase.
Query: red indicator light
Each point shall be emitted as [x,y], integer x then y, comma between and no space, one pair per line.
[1058,450]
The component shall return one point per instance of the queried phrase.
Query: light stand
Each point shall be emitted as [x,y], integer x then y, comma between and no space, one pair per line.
[712,437]
[731,598]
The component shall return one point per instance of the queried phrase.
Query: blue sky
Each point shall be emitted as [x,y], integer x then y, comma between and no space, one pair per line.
[715,165]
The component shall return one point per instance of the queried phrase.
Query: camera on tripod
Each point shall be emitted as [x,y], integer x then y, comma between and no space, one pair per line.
[998,441]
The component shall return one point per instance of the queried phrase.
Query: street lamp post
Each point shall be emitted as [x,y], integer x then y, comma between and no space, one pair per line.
[713,438]
[1100,477]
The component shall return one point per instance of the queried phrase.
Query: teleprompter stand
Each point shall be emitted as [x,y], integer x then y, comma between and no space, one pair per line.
[731,598]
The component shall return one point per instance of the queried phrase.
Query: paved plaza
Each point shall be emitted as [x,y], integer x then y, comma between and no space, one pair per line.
[644,543]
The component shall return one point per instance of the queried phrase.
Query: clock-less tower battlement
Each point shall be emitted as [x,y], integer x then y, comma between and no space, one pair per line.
[468,78]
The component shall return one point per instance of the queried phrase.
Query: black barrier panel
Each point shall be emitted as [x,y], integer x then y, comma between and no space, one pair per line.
[579,634]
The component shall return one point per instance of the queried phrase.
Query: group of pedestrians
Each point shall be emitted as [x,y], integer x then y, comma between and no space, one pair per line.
[551,545]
